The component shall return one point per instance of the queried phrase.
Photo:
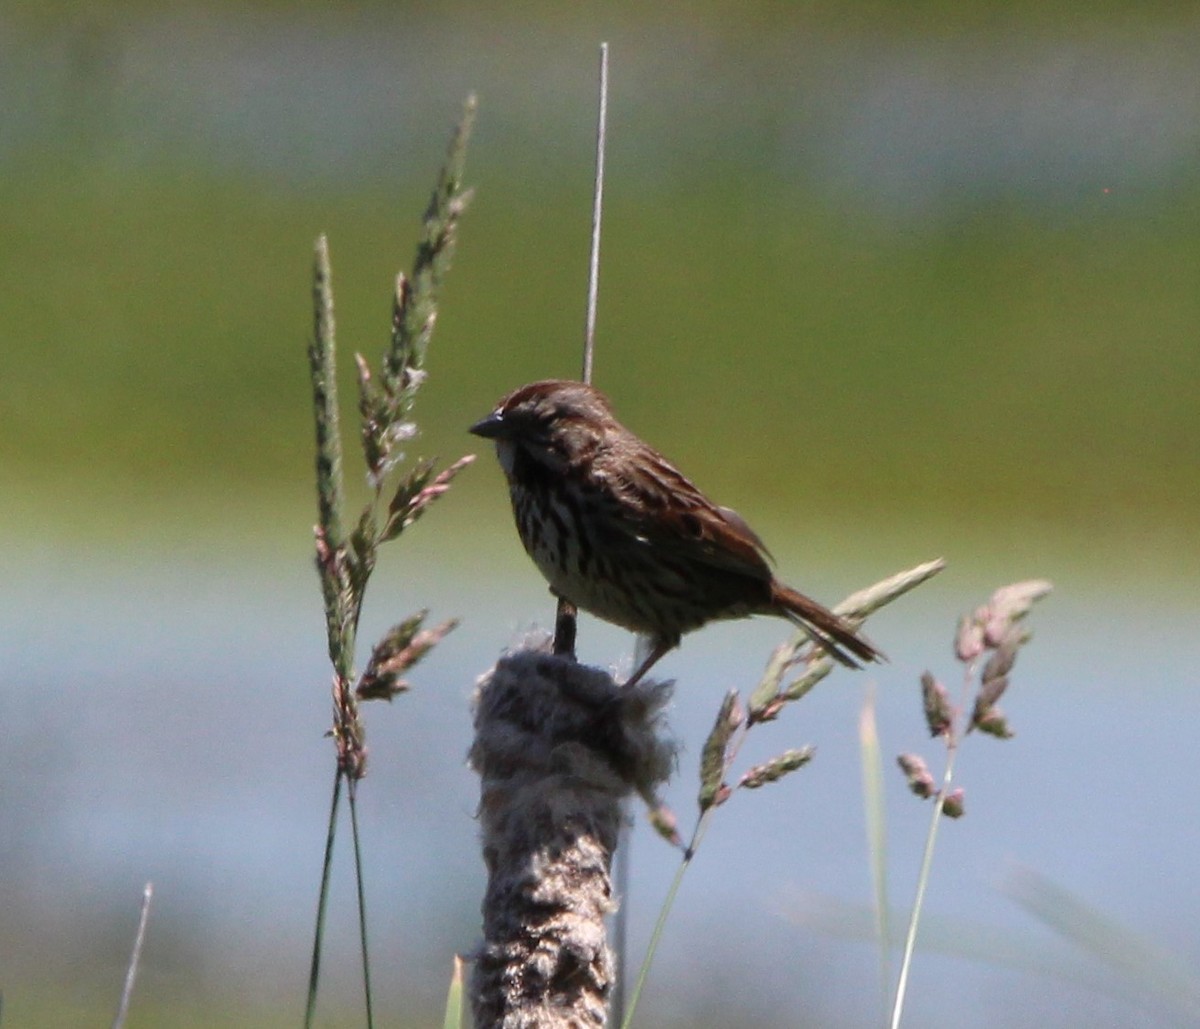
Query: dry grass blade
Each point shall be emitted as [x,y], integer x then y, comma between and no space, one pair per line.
[134,958]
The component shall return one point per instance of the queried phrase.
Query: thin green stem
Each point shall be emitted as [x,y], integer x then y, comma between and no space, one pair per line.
[731,752]
[314,973]
[939,802]
[661,924]
[362,901]
[910,940]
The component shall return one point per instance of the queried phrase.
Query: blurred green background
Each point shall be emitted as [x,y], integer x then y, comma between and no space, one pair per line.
[897,282]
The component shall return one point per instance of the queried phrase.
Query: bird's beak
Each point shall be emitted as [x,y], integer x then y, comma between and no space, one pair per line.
[491,427]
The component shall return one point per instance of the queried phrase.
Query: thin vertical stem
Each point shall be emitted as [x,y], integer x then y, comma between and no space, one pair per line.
[352,797]
[314,973]
[564,620]
[910,940]
[134,958]
[661,924]
[331,545]
[589,337]
[939,803]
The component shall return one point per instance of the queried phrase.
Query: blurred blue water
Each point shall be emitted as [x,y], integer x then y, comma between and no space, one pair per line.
[163,722]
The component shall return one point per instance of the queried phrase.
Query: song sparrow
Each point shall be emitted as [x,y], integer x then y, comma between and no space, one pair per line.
[619,531]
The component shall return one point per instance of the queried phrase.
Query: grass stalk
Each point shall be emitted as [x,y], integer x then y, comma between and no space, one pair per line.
[134,959]
[664,913]
[352,798]
[995,629]
[454,997]
[345,561]
[876,827]
[910,937]
[314,972]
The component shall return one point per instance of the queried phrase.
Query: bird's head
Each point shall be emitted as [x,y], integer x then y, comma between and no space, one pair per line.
[554,423]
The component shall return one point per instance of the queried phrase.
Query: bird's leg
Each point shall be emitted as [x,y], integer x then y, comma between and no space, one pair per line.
[564,629]
[658,647]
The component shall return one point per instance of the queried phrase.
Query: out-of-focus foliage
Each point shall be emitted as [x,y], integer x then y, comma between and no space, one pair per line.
[154,335]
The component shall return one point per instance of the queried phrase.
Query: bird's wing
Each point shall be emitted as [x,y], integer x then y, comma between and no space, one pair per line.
[679,518]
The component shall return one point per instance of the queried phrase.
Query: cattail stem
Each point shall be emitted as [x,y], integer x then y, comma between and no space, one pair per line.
[558,748]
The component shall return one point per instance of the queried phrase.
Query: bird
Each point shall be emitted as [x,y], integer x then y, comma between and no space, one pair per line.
[620,532]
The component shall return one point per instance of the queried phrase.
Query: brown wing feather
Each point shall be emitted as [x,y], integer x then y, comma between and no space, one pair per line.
[679,516]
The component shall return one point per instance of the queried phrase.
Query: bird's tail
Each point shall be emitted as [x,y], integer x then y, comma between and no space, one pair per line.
[831,631]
